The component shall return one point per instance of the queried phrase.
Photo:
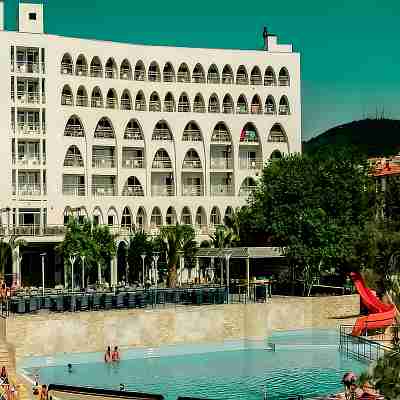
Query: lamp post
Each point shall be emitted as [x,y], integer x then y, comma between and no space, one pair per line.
[72,259]
[43,255]
[156,257]
[228,254]
[83,271]
[143,257]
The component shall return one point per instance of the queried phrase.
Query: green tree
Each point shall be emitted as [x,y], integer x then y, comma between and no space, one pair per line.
[8,252]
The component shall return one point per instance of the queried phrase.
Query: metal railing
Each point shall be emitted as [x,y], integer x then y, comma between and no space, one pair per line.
[96,71]
[103,161]
[28,97]
[221,190]
[133,190]
[133,133]
[73,160]
[191,164]
[103,190]
[103,132]
[162,163]
[136,162]
[74,131]
[73,190]
[245,163]
[164,190]
[27,128]
[221,163]
[192,190]
[192,135]
[220,136]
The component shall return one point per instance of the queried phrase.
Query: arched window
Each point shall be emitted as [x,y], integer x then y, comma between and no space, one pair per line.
[284,77]
[82,97]
[215,218]
[111,69]
[277,134]
[133,131]
[276,155]
[213,104]
[133,187]
[169,103]
[81,68]
[270,107]
[97,216]
[227,104]
[198,74]
[96,69]
[140,71]
[112,99]
[284,106]
[161,131]
[201,217]
[67,98]
[269,77]
[73,158]
[241,107]
[198,104]
[126,70]
[127,220]
[183,73]
[126,101]
[74,127]
[184,103]
[170,217]
[241,76]
[228,214]
[156,218]
[227,75]
[68,214]
[140,102]
[104,129]
[192,133]
[168,73]
[154,103]
[67,64]
[141,220]
[213,74]
[221,133]
[154,72]
[192,160]
[247,187]
[256,105]
[112,217]
[249,134]
[162,160]
[97,98]
[186,216]
[255,76]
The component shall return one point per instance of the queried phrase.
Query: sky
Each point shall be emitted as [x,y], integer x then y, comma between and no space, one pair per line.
[350,50]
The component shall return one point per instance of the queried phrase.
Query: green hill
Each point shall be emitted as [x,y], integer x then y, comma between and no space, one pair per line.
[373,137]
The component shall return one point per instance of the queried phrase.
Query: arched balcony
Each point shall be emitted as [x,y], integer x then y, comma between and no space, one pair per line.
[269,77]
[227,75]
[156,218]
[140,71]
[169,103]
[154,103]
[168,73]
[73,158]
[277,134]
[126,70]
[198,104]
[126,100]
[227,104]
[154,74]
[284,106]
[67,65]
[191,160]
[201,218]
[140,102]
[270,107]
[221,156]
[241,107]
[241,76]
[141,219]
[96,69]
[74,127]
[97,98]
[250,150]
[161,131]
[276,155]
[133,131]
[112,99]
[247,187]
[162,177]
[170,217]
[82,97]
[221,134]
[111,69]
[133,187]
[127,220]
[198,74]
[104,129]
[161,160]
[213,75]
[81,68]
[215,217]
[183,73]
[255,76]
[184,103]
[192,133]
[186,216]
[283,78]
[67,98]
[256,105]
[213,104]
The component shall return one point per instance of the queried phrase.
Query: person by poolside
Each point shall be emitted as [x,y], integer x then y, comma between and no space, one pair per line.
[370,393]
[351,391]
[4,376]
[108,355]
[115,354]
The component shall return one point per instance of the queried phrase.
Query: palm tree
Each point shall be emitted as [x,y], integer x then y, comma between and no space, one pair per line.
[232,223]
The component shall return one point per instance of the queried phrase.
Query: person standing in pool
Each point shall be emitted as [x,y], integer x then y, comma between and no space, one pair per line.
[108,355]
[115,354]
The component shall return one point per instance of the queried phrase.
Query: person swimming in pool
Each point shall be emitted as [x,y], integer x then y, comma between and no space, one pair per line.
[108,355]
[115,354]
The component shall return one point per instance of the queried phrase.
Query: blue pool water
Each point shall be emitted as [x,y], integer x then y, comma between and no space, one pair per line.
[304,362]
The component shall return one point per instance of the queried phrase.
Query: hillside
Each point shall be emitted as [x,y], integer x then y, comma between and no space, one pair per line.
[373,137]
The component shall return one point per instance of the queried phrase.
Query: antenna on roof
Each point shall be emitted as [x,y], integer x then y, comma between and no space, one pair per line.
[265,37]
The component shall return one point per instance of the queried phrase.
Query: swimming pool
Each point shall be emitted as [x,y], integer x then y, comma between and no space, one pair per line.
[304,362]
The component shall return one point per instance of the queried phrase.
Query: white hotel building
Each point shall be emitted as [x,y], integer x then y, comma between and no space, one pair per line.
[134,135]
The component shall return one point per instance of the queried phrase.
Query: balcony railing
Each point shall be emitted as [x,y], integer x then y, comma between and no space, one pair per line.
[256,109]
[221,136]
[192,135]
[133,133]
[104,132]
[81,101]
[245,191]
[213,77]
[270,109]
[137,162]
[140,105]
[199,107]
[133,190]
[103,190]
[96,71]
[256,163]
[112,103]
[227,79]
[126,73]
[198,77]
[283,81]
[283,110]
[81,70]
[161,134]
[221,163]
[276,137]
[221,190]
[183,77]
[28,189]
[169,106]
[164,190]
[140,75]
[26,128]
[241,79]
[162,163]
[227,108]
[27,159]
[28,67]
[74,131]
[256,80]
[192,190]
[154,106]
[110,73]
[66,68]
[213,108]
[168,76]
[97,102]
[183,106]
[73,190]
[73,160]
[269,80]
[192,164]
[66,100]
[242,108]
[103,161]
[154,76]
[126,104]
[28,97]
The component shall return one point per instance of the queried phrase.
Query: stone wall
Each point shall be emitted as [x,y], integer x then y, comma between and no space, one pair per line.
[51,333]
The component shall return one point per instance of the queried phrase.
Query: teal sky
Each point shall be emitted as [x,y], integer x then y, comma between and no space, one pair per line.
[350,49]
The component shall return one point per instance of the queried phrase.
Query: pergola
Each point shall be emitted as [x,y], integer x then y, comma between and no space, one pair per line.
[245,253]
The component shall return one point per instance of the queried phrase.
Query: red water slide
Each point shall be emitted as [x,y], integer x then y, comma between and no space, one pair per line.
[382,315]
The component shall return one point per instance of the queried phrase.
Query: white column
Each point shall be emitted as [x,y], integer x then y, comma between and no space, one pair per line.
[248,277]
[15,267]
[197,269]
[114,272]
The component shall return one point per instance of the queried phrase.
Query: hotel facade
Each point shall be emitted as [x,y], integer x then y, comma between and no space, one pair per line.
[134,135]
